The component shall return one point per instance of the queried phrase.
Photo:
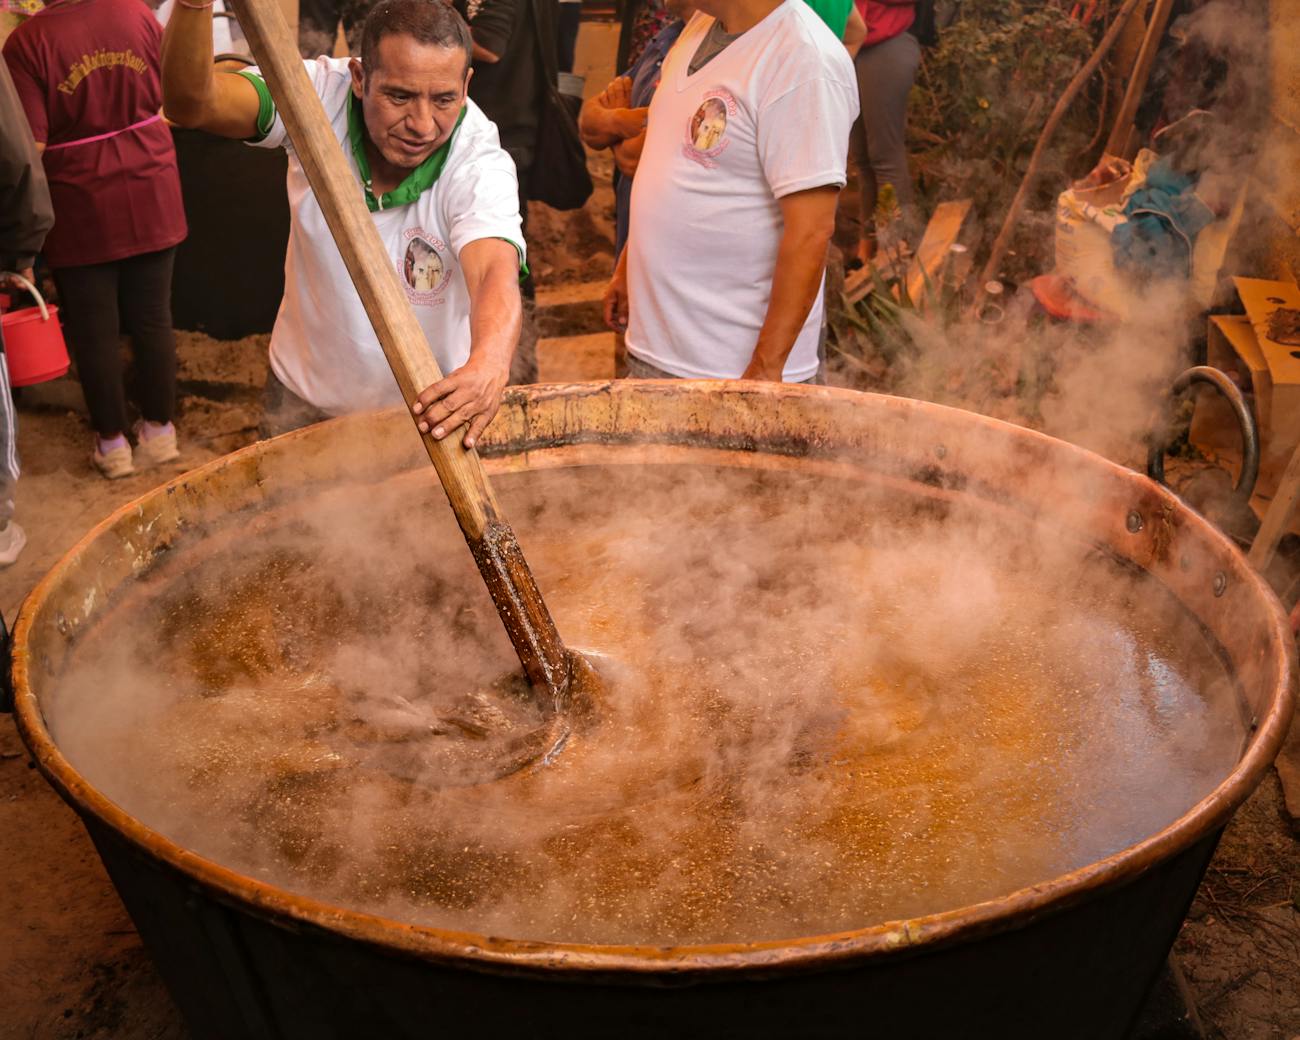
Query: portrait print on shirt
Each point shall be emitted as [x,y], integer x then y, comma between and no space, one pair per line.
[423,269]
[706,134]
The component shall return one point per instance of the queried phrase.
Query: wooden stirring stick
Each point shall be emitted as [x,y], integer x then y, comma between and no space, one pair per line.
[491,539]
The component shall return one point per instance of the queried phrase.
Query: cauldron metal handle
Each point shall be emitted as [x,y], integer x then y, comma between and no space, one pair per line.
[1245,421]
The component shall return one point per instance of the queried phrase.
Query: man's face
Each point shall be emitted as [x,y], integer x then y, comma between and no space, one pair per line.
[412,99]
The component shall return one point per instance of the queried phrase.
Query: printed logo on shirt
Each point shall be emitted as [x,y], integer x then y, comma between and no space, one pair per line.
[706,134]
[101,59]
[424,267]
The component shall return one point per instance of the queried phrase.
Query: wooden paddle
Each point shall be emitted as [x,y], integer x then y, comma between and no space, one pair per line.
[491,539]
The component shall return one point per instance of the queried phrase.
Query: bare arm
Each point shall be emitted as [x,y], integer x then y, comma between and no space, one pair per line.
[855,32]
[809,218]
[607,118]
[627,154]
[615,303]
[472,394]
[194,94]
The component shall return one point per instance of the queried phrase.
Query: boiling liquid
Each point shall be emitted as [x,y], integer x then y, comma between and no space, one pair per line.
[823,708]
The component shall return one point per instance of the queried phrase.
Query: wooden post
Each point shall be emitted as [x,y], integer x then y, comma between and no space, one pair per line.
[1121,141]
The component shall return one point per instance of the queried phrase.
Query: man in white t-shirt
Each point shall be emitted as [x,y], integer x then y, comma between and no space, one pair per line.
[734,199]
[441,191]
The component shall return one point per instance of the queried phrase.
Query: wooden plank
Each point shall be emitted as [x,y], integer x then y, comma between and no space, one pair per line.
[1123,139]
[927,263]
[858,284]
[1235,332]
[1279,515]
[1280,435]
[940,234]
[1261,297]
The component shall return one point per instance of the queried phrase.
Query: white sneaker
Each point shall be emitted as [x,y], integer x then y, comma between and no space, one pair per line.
[156,448]
[12,540]
[115,464]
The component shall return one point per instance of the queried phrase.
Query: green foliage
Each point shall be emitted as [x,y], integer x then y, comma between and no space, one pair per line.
[983,95]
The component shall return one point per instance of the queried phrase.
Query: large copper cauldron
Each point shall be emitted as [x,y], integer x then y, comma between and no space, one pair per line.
[1071,957]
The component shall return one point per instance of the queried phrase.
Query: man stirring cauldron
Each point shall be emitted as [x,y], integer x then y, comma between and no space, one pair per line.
[441,191]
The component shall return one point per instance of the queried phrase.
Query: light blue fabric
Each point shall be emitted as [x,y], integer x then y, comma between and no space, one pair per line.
[1164,217]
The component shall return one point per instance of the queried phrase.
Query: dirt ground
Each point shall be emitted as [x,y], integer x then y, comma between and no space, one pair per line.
[71,964]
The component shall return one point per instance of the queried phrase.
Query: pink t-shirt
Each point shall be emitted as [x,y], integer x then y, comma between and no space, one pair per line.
[885,21]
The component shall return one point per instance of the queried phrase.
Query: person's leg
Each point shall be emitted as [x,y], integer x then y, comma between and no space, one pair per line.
[88,305]
[284,411]
[638,369]
[866,184]
[318,27]
[566,34]
[885,75]
[12,537]
[145,299]
[523,366]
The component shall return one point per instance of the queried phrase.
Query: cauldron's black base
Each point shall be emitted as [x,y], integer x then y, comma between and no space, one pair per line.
[1170,1013]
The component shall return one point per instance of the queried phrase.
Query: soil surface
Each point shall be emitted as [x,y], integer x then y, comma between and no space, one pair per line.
[72,965]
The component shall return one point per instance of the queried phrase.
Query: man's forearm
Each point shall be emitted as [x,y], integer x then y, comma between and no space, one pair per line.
[593,125]
[495,315]
[800,263]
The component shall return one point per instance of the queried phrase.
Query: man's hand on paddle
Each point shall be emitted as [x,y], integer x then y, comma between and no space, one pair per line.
[471,395]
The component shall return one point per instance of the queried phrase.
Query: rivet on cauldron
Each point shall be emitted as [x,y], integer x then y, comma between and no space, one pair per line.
[1220,583]
[61,623]
[1134,521]
[940,451]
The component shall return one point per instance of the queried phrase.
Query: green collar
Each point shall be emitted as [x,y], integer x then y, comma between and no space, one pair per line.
[417,182]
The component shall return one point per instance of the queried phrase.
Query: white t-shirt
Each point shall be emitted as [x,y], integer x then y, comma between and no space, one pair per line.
[323,347]
[768,116]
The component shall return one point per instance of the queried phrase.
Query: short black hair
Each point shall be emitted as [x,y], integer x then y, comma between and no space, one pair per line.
[430,22]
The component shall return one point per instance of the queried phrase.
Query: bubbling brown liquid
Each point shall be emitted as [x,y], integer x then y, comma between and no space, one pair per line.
[823,708]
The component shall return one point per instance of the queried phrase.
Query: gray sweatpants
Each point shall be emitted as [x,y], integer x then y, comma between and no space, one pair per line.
[638,369]
[8,444]
[885,75]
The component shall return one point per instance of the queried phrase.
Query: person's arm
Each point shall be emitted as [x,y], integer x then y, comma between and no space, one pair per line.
[194,94]
[627,154]
[472,394]
[855,32]
[809,218]
[615,302]
[607,118]
[26,215]
[493,27]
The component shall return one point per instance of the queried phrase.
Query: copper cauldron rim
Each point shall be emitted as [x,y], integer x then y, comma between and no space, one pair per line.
[678,964]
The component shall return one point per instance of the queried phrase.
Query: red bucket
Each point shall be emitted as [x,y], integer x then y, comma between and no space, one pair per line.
[34,347]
